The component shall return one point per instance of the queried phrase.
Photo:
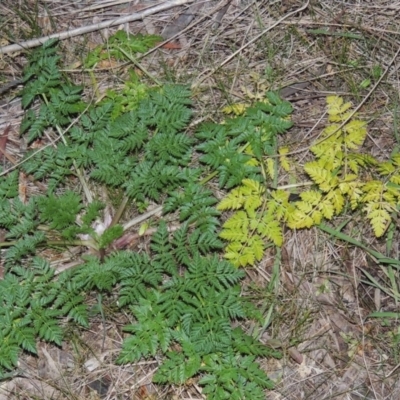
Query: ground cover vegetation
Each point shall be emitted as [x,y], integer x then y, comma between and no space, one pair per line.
[228,191]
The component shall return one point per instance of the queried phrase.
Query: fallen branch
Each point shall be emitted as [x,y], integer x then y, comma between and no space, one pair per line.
[91,28]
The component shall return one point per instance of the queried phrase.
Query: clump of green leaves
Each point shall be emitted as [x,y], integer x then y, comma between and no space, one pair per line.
[193,311]
[31,305]
[120,46]
[182,298]
[60,101]
[129,97]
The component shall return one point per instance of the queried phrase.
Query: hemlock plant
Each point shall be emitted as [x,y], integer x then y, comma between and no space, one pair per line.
[183,298]
[180,294]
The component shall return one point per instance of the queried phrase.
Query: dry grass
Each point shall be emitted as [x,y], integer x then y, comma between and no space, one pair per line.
[320,297]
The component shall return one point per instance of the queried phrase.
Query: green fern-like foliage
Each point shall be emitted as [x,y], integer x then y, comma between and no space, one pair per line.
[144,152]
[224,144]
[119,45]
[59,214]
[20,221]
[192,312]
[43,82]
[32,303]
[182,298]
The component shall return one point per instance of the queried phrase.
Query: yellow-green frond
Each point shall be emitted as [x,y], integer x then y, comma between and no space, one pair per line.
[396,159]
[270,228]
[316,216]
[284,161]
[238,221]
[243,254]
[356,133]
[236,109]
[233,201]
[248,196]
[327,208]
[299,219]
[337,109]
[390,197]
[395,179]
[337,199]
[278,205]
[380,220]
[373,191]
[270,168]
[317,173]
[256,247]
[312,197]
[386,168]
[253,185]
[304,206]
[253,162]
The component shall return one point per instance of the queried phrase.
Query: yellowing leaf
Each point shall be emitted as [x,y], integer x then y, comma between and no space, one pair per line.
[326,208]
[256,248]
[283,150]
[280,196]
[253,162]
[337,200]
[356,133]
[332,132]
[252,203]
[320,175]
[255,186]
[299,220]
[380,220]
[304,206]
[248,196]
[236,109]
[386,168]
[232,253]
[233,235]
[284,161]
[396,160]
[271,168]
[272,230]
[373,191]
[336,105]
[329,185]
[316,217]
[390,198]
[232,201]
[353,165]
[241,255]
[143,228]
[311,196]
[395,180]
[238,220]
[278,206]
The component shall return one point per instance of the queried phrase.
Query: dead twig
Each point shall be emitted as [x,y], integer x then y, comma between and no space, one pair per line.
[197,83]
[91,28]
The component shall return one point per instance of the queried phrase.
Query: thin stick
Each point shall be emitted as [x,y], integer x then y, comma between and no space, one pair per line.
[351,115]
[233,55]
[91,28]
